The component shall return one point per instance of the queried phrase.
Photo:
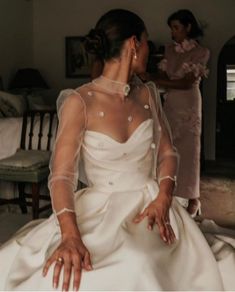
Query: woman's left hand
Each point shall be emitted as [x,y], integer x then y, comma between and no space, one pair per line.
[158,213]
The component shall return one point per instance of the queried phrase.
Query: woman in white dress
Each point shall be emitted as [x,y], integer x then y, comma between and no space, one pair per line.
[124,231]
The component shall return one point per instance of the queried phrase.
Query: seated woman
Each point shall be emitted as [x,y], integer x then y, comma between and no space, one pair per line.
[124,231]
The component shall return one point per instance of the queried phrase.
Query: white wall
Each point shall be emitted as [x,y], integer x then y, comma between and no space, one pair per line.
[16,49]
[55,19]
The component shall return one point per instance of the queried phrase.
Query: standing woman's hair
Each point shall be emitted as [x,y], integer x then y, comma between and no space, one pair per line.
[186,17]
[111,31]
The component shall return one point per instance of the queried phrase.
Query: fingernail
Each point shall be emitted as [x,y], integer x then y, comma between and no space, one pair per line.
[75,288]
[89,267]
[54,285]
[149,227]
[164,238]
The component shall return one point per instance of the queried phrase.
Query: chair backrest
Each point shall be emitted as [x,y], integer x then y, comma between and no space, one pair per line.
[39,129]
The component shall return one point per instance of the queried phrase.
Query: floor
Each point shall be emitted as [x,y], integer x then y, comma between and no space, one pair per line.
[218,192]
[217,196]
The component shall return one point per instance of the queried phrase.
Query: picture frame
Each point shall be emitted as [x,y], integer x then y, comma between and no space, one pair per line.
[78,60]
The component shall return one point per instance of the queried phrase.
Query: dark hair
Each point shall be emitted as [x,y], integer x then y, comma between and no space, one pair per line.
[111,31]
[186,17]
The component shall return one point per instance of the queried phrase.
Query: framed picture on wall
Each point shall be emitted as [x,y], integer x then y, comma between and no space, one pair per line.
[78,61]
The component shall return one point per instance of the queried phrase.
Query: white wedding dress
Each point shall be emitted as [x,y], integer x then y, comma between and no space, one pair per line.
[125,255]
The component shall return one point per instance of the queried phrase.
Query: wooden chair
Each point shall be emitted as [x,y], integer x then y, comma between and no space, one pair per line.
[30,163]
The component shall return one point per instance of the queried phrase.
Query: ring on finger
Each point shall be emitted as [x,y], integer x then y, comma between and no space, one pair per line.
[60,260]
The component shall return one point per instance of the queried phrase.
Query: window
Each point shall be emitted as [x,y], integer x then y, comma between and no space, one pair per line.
[230,73]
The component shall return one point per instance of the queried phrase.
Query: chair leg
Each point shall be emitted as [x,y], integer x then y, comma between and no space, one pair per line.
[22,199]
[35,200]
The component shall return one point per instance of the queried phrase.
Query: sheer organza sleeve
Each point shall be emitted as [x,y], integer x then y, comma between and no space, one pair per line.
[166,155]
[63,178]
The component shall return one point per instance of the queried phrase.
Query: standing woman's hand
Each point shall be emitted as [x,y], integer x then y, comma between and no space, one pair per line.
[158,213]
[189,80]
[74,256]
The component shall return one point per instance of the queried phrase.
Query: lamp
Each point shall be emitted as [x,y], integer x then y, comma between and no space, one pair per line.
[28,79]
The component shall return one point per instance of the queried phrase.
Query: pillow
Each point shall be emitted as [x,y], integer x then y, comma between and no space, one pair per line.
[15,105]
[6,109]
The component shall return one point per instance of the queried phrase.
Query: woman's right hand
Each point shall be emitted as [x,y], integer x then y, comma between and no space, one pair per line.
[74,256]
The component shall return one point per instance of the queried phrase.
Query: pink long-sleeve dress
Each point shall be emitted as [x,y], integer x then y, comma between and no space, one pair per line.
[183,109]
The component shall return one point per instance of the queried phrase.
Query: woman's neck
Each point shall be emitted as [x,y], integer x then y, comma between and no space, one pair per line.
[120,68]
[117,70]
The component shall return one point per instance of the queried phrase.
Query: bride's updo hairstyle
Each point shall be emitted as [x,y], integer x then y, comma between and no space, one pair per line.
[186,17]
[113,28]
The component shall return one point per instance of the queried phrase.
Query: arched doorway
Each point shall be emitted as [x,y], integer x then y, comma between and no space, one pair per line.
[225,118]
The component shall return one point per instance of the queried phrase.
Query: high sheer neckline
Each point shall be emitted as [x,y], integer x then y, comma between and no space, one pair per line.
[112,86]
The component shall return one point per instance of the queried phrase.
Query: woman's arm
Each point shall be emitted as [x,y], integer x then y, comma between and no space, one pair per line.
[166,173]
[193,70]
[183,84]
[63,178]
[71,252]
[162,80]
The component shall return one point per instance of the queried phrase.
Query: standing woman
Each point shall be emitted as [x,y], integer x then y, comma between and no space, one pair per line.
[181,71]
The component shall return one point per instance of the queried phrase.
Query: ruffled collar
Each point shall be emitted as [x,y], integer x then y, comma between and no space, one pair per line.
[114,86]
[186,46]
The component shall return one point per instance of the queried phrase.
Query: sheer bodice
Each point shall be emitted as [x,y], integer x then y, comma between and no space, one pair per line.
[93,109]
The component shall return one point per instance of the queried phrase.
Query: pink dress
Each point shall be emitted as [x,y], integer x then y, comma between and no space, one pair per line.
[183,111]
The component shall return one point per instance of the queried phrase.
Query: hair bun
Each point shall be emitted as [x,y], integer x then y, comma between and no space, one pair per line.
[96,43]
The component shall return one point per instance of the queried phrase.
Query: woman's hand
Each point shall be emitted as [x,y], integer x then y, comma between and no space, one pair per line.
[189,79]
[158,212]
[73,254]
